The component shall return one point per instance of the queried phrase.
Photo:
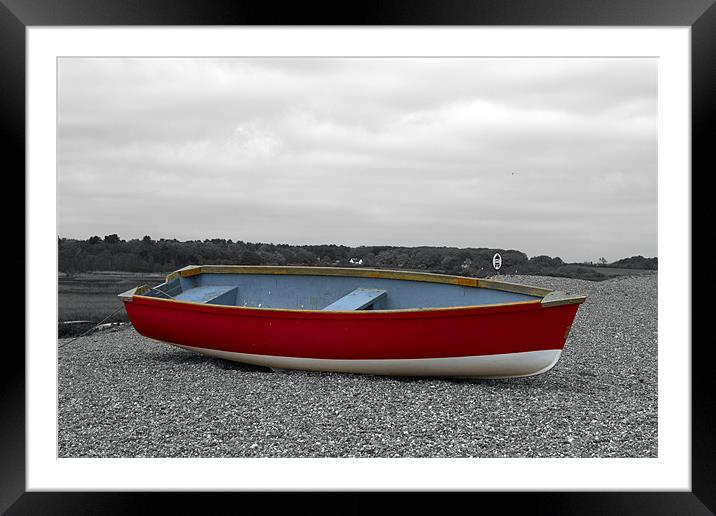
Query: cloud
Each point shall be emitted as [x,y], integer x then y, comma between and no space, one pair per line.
[550,156]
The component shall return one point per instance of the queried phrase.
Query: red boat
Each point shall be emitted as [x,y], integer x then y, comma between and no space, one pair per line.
[357,320]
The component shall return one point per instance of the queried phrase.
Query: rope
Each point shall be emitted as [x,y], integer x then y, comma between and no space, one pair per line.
[161,292]
[110,315]
[92,328]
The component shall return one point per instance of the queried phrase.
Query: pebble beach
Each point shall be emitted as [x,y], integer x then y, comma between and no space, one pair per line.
[123,395]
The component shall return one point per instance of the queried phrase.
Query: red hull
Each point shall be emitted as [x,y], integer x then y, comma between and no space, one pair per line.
[460,332]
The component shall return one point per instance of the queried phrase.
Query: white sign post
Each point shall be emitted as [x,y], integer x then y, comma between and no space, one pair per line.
[497,261]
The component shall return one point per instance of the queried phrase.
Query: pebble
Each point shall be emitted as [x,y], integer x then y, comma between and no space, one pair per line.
[122,395]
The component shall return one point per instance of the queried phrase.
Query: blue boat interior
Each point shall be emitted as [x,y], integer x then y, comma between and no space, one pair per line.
[330,293]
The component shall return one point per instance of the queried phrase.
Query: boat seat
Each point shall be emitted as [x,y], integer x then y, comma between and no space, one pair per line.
[210,294]
[359,299]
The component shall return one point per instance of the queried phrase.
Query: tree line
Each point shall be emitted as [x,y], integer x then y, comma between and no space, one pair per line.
[636,262]
[164,255]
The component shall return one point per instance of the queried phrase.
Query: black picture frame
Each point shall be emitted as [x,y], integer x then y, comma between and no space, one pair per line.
[17,15]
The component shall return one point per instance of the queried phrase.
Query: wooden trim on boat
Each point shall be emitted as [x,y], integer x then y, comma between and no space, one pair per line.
[193,270]
[136,291]
[512,287]
[548,297]
[557,297]
[185,272]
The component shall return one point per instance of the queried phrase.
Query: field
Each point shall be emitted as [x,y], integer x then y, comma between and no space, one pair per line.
[613,272]
[92,296]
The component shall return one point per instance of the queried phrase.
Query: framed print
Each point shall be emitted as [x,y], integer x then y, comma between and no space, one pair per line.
[176,149]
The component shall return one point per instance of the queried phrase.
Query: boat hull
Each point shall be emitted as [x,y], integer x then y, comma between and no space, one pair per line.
[517,339]
[502,365]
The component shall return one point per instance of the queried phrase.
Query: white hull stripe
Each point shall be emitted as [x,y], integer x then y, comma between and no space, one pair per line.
[505,365]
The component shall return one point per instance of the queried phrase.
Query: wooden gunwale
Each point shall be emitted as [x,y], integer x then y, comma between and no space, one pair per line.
[193,270]
[556,298]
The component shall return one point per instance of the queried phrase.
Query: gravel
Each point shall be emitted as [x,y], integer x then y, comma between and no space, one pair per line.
[122,395]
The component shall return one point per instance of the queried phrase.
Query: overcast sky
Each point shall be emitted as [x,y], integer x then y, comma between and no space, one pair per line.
[548,156]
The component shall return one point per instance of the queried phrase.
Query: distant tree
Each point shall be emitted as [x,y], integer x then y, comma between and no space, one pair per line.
[637,262]
[452,263]
[148,255]
[305,257]
[250,257]
[369,260]
[278,259]
[511,258]
[602,261]
[545,261]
